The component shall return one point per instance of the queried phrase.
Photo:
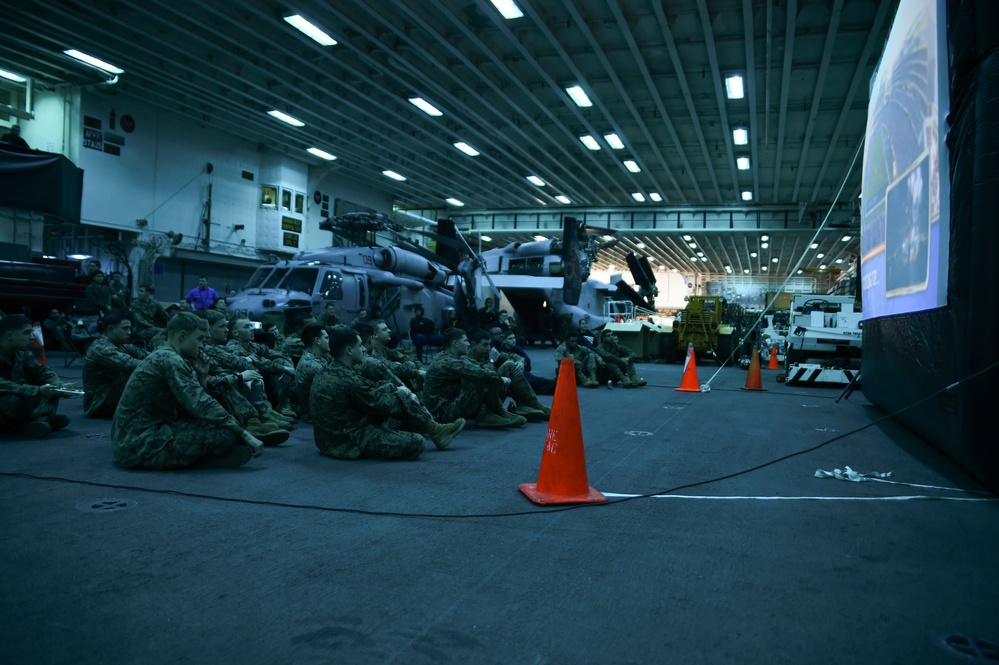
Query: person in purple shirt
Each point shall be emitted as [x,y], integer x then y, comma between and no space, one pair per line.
[202,296]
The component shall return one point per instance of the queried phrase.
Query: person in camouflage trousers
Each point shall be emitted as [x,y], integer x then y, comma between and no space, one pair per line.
[277,368]
[228,377]
[315,358]
[328,319]
[166,419]
[352,416]
[511,366]
[28,397]
[457,386]
[292,346]
[149,316]
[619,360]
[108,363]
[412,373]
[586,362]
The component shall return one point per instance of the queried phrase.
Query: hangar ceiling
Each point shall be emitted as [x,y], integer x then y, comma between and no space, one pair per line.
[654,72]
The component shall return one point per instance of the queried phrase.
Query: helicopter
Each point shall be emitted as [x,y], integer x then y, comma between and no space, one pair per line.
[360,275]
[548,284]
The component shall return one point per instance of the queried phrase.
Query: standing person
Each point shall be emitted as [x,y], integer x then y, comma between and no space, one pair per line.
[315,358]
[13,137]
[28,391]
[150,317]
[166,420]
[202,296]
[99,294]
[457,386]
[350,412]
[108,364]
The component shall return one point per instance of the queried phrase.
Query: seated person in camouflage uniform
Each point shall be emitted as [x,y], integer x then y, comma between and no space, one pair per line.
[99,294]
[411,372]
[57,331]
[620,360]
[150,317]
[315,358]
[277,368]
[28,397]
[505,342]
[166,420]
[355,418]
[107,365]
[584,360]
[227,377]
[329,317]
[458,386]
[509,365]
[292,345]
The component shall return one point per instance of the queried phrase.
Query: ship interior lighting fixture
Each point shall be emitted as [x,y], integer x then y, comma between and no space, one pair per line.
[467,149]
[733,87]
[656,196]
[394,176]
[310,30]
[632,166]
[425,106]
[284,117]
[638,196]
[11,76]
[747,196]
[321,153]
[742,163]
[614,141]
[455,202]
[508,8]
[535,180]
[740,136]
[578,96]
[561,198]
[590,142]
[97,63]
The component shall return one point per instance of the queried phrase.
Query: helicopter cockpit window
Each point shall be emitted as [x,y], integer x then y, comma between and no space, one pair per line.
[258,277]
[300,279]
[332,286]
[274,278]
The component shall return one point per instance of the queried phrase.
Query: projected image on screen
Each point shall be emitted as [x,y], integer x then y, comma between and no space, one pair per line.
[904,230]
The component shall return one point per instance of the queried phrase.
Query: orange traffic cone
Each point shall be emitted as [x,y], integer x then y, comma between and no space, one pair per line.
[38,343]
[689,383]
[618,319]
[773,359]
[754,381]
[562,478]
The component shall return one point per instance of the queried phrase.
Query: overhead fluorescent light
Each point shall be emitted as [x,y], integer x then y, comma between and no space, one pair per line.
[686,237]
[745,271]
[79,257]
[847,238]
[485,239]
[733,87]
[540,238]
[284,117]
[700,253]
[579,96]
[820,255]
[764,245]
[814,245]
[693,258]
[590,142]
[508,8]
[424,106]
[632,166]
[764,238]
[467,149]
[839,260]
[656,196]
[742,163]
[321,153]
[394,175]
[455,202]
[310,30]
[747,196]
[822,267]
[640,245]
[740,136]
[11,76]
[535,180]
[704,258]
[800,271]
[638,196]
[692,244]
[753,254]
[764,268]
[563,199]
[775,260]
[94,62]
[611,267]
[614,141]
[675,269]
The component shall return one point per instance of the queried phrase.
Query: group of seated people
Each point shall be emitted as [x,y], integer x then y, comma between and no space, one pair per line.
[203,393]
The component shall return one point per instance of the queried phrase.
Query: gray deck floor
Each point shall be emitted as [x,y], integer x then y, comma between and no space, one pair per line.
[297,558]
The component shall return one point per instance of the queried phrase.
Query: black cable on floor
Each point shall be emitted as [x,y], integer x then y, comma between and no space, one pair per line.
[521,513]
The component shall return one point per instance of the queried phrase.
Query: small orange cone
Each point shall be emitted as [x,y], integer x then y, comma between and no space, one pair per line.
[689,383]
[38,343]
[773,359]
[562,478]
[754,381]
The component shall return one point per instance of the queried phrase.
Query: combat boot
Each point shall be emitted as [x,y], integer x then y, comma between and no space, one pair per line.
[590,381]
[636,381]
[531,414]
[36,429]
[58,421]
[489,420]
[444,433]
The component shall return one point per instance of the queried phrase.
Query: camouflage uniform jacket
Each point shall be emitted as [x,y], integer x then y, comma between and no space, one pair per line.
[268,360]
[21,374]
[615,354]
[106,368]
[292,346]
[162,389]
[100,295]
[344,404]
[148,314]
[579,355]
[374,369]
[328,320]
[446,375]
[397,361]
[219,355]
[306,371]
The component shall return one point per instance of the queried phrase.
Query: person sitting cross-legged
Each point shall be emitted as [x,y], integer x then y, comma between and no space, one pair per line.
[28,391]
[166,419]
[351,415]
[107,365]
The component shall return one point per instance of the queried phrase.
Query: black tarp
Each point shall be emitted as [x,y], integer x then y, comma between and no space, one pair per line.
[955,349]
[40,181]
